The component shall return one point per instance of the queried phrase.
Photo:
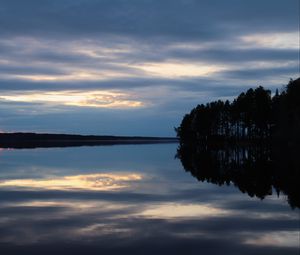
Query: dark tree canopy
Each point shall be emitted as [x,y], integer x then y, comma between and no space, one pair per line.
[251,142]
[252,116]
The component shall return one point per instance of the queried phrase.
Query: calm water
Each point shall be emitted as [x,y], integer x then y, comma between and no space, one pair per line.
[131,199]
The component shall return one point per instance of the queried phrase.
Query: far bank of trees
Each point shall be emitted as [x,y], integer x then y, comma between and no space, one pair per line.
[253,115]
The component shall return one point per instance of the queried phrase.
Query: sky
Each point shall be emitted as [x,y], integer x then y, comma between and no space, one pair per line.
[135,67]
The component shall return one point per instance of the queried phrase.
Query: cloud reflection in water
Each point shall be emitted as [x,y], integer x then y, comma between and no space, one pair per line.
[156,208]
[86,182]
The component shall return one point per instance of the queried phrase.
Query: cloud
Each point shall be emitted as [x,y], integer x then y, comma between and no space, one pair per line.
[183,19]
[101,99]
[259,74]
[164,56]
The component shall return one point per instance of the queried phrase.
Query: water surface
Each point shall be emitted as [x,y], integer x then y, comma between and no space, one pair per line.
[131,199]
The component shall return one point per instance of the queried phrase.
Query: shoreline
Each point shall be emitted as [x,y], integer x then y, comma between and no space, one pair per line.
[35,140]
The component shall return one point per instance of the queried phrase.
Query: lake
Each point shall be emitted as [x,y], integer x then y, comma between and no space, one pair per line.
[132,199]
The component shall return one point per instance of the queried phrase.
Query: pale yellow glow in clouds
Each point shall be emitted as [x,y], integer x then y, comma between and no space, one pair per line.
[77,75]
[100,182]
[273,40]
[178,69]
[100,99]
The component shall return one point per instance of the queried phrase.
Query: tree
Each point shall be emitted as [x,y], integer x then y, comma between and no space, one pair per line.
[251,116]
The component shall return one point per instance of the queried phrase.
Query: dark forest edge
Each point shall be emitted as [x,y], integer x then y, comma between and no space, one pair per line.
[34,140]
[253,117]
[251,143]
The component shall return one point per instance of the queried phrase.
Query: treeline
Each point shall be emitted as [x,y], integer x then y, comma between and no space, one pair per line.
[253,115]
[34,140]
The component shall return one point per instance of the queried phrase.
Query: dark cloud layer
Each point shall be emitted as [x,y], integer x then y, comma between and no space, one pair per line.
[181,19]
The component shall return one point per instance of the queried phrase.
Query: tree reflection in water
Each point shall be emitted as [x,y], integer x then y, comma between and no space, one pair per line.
[255,170]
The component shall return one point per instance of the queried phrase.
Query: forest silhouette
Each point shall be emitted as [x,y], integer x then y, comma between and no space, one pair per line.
[254,116]
[252,142]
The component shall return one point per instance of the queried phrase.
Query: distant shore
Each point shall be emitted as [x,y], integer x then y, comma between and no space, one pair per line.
[35,140]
